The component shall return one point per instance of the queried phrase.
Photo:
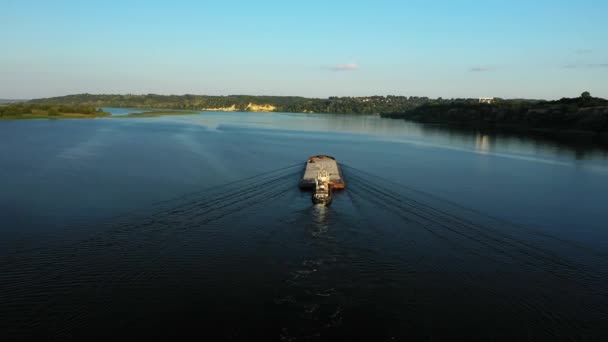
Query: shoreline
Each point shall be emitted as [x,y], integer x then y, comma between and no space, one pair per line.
[565,136]
[53,117]
[62,116]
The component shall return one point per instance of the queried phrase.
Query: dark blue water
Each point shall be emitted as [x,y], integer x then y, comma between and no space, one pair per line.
[112,228]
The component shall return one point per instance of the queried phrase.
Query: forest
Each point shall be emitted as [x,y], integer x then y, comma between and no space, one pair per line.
[584,113]
[291,104]
[567,116]
[33,110]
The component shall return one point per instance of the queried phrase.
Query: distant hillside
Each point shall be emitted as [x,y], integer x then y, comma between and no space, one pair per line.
[339,105]
[12,100]
[583,117]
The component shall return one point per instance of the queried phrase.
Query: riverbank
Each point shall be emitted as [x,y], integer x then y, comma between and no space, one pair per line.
[39,115]
[53,117]
[48,111]
[23,111]
[245,103]
[583,119]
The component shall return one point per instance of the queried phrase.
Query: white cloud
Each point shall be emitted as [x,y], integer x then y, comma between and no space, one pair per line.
[482,68]
[585,65]
[346,67]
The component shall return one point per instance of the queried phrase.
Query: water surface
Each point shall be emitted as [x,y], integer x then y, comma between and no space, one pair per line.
[123,229]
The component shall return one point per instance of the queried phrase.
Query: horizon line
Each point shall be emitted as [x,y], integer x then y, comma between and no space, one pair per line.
[266,95]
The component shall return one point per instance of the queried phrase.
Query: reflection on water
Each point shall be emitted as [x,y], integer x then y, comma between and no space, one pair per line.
[482,143]
[83,250]
[372,125]
[320,219]
[483,140]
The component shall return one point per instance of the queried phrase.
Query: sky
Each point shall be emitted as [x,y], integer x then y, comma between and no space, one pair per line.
[510,49]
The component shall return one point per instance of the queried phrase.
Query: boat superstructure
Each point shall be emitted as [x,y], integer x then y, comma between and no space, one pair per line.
[322,192]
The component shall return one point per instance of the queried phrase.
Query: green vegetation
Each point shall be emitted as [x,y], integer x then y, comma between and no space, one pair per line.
[581,117]
[48,111]
[337,105]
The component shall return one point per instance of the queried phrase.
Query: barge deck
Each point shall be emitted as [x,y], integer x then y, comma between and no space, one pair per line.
[316,164]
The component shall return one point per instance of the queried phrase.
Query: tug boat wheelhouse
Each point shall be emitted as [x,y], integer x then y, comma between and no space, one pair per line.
[322,192]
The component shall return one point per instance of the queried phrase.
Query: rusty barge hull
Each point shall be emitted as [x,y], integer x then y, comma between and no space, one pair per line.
[322,162]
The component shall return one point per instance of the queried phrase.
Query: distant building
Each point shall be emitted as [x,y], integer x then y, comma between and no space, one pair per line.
[486,100]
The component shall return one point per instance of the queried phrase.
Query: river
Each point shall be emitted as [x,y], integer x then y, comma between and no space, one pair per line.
[125,228]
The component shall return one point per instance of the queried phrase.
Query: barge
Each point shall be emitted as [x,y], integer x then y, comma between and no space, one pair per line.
[322,175]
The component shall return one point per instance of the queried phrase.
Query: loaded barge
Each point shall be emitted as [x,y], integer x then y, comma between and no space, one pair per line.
[322,175]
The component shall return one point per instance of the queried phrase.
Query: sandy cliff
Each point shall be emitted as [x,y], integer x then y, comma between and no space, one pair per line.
[260,108]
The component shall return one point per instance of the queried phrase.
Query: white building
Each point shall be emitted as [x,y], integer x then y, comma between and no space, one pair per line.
[486,100]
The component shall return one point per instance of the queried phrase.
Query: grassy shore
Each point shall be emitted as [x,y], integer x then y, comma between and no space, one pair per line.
[45,115]
[23,111]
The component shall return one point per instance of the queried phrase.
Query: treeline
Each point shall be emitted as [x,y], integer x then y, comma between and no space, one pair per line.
[23,109]
[153,101]
[580,113]
[356,105]
[292,104]
[584,113]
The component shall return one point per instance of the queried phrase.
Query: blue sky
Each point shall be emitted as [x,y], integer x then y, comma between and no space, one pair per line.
[532,49]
